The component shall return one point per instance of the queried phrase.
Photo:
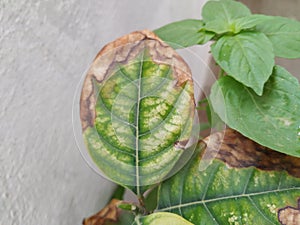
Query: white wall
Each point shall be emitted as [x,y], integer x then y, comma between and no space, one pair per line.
[45,47]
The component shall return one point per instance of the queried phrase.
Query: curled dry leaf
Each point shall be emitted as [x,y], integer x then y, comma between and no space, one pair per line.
[239,151]
[109,213]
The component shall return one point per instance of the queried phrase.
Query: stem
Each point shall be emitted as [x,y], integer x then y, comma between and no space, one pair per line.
[221,73]
[118,193]
[141,199]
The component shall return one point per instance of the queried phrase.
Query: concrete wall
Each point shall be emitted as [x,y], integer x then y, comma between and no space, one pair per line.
[45,48]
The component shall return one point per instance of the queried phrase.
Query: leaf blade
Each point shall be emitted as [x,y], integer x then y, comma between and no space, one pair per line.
[135,105]
[247,57]
[184,33]
[284,33]
[271,119]
[220,16]
[235,187]
[224,10]
[163,218]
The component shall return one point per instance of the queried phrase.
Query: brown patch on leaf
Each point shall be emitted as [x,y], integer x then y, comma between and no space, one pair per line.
[124,50]
[109,213]
[289,215]
[239,151]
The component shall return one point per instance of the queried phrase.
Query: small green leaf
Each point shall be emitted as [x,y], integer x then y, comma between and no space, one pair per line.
[219,27]
[162,218]
[184,33]
[245,183]
[271,119]
[224,10]
[284,33]
[137,103]
[249,22]
[247,57]
[220,16]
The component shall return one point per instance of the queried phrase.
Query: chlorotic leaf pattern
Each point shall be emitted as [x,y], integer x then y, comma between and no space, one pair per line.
[137,107]
[245,183]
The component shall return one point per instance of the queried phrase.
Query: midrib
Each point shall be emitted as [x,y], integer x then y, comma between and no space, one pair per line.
[137,144]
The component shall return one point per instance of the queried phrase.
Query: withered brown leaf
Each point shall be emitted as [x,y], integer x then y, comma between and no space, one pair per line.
[108,214]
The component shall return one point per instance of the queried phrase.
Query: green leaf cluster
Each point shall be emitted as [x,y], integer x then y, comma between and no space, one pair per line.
[245,45]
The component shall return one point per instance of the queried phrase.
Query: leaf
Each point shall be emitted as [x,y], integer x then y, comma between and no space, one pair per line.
[162,218]
[247,57]
[110,215]
[136,105]
[284,34]
[219,16]
[224,10]
[245,183]
[184,33]
[271,119]
[249,22]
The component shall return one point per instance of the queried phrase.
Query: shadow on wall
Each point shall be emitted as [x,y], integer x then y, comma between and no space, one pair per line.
[288,9]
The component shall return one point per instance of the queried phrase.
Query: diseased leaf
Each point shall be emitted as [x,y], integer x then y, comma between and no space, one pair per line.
[220,16]
[245,183]
[162,218]
[271,119]
[184,33]
[136,105]
[247,57]
[284,33]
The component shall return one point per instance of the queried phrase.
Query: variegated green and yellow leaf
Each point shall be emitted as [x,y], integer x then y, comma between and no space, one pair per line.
[137,109]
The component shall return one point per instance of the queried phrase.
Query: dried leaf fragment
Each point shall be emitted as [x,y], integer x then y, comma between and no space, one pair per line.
[108,214]
[289,215]
[239,151]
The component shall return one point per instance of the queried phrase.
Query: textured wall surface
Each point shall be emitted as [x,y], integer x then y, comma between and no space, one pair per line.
[45,48]
[46,45]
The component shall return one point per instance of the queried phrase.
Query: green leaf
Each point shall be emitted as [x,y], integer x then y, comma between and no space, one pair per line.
[137,108]
[247,57]
[224,10]
[162,218]
[284,33]
[184,33]
[159,218]
[249,22]
[220,16]
[271,119]
[245,183]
